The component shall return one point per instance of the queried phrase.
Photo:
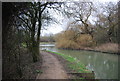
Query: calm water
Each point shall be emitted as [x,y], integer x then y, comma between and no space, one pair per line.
[104,65]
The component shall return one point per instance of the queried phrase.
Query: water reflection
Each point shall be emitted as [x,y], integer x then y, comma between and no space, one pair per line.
[104,65]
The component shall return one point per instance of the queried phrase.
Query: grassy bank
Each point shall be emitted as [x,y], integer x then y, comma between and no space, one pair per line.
[74,63]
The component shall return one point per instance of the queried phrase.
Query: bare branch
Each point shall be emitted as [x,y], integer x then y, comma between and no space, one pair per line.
[24,22]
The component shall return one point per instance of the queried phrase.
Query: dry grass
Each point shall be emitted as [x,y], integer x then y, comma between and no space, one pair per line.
[108,47]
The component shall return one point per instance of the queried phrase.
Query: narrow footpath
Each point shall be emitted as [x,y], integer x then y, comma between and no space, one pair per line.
[51,68]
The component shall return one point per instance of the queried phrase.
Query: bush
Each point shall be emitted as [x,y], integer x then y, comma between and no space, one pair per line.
[67,44]
[85,40]
[69,39]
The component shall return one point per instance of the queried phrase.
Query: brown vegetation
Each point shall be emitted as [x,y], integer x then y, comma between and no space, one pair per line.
[67,39]
[108,47]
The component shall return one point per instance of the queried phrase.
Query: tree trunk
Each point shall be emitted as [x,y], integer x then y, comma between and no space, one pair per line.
[40,24]
[34,44]
[39,28]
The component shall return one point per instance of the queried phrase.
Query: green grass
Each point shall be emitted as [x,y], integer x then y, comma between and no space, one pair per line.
[39,71]
[74,63]
[24,45]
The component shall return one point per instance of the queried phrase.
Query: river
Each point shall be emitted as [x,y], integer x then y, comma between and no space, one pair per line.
[104,65]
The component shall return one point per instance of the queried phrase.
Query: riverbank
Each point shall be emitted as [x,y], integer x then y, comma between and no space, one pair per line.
[93,50]
[109,48]
[73,67]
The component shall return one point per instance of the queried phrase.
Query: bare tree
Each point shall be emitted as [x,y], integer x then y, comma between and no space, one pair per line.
[108,20]
[81,12]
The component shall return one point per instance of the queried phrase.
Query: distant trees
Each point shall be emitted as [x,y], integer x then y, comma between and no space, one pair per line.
[92,25]
[81,12]
[79,32]
[107,24]
[48,38]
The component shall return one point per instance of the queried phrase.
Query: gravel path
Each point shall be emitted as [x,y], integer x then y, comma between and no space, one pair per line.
[51,67]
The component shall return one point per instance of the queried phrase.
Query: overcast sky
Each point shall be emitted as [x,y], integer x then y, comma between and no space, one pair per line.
[56,28]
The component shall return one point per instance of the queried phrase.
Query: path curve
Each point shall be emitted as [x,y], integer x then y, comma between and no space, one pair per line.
[51,67]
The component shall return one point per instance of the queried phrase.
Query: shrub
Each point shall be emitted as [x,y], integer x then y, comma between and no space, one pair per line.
[85,40]
[68,39]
